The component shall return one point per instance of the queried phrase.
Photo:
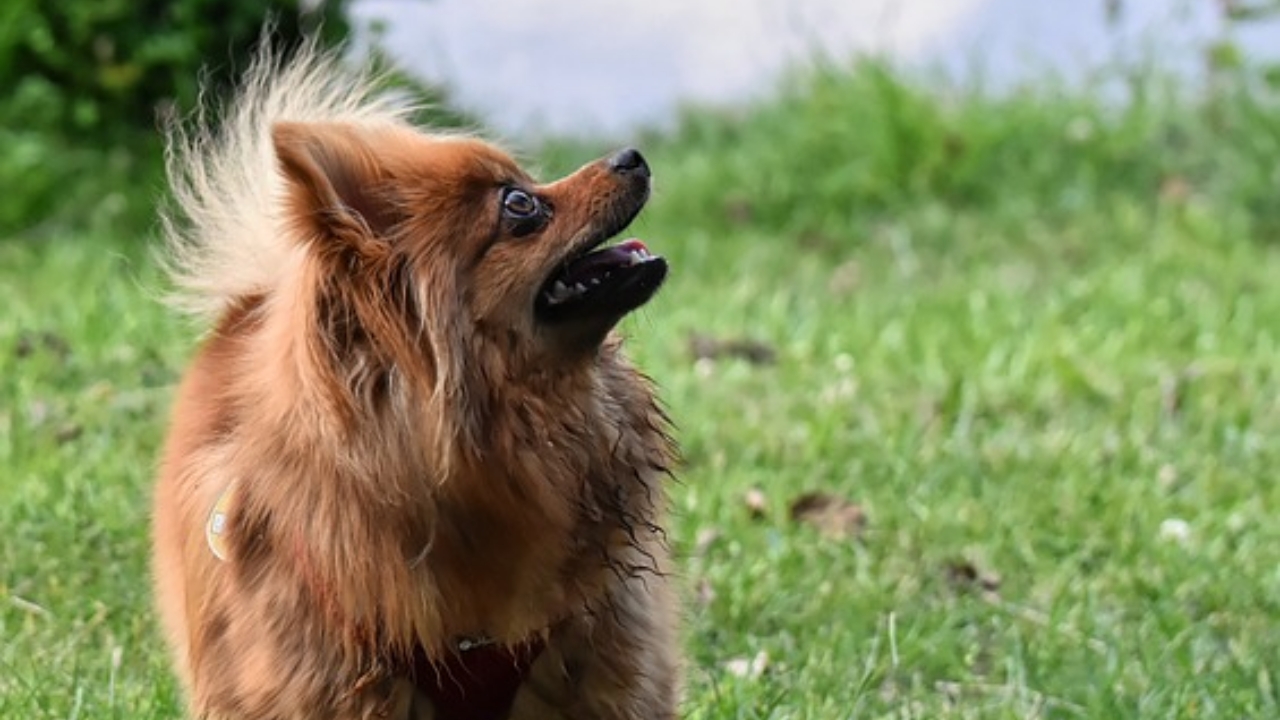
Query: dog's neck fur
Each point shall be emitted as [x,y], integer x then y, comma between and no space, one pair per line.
[461,548]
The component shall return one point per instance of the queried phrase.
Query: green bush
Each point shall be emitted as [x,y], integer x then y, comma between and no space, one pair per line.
[85,81]
[105,66]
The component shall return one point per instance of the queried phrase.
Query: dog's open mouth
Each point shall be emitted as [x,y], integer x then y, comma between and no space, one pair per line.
[607,282]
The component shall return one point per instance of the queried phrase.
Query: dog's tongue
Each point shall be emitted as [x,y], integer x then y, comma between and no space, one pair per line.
[625,253]
[634,244]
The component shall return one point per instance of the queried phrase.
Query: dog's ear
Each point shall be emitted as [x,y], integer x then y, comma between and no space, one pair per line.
[334,182]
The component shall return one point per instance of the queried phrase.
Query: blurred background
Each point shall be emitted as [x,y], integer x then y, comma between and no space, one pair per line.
[531,65]
[89,82]
[971,334]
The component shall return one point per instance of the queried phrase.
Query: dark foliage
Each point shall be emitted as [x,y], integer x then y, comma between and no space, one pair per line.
[105,67]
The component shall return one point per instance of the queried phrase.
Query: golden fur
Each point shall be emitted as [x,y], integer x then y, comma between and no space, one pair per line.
[409,456]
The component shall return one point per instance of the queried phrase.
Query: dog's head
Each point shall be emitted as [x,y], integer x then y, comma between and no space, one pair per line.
[428,243]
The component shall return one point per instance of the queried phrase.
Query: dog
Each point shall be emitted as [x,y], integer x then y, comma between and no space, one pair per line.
[409,473]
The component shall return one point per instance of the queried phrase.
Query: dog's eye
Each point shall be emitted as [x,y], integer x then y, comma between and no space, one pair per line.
[518,204]
[523,212]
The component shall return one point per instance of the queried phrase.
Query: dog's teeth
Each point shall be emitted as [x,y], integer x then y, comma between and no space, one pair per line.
[595,281]
[579,288]
[558,293]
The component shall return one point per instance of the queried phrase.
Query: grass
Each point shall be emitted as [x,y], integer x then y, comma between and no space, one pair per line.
[1033,338]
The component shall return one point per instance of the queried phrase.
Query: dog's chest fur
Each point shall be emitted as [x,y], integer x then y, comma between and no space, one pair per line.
[571,481]
[561,483]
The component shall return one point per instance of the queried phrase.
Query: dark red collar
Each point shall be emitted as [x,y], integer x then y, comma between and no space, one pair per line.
[478,681]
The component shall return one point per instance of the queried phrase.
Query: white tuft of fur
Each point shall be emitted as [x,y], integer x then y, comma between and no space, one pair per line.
[224,230]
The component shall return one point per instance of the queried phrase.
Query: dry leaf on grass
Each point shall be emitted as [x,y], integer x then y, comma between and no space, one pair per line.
[704,593]
[750,668]
[739,211]
[964,575]
[833,516]
[1176,190]
[705,347]
[845,279]
[757,504]
[703,541]
[29,343]
[67,432]
[1175,530]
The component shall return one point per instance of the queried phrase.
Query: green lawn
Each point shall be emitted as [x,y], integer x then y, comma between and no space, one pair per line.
[1035,340]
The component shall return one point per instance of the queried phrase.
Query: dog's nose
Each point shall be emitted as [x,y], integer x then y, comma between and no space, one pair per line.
[629,162]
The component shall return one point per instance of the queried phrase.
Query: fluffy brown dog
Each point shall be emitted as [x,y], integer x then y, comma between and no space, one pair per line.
[410,473]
